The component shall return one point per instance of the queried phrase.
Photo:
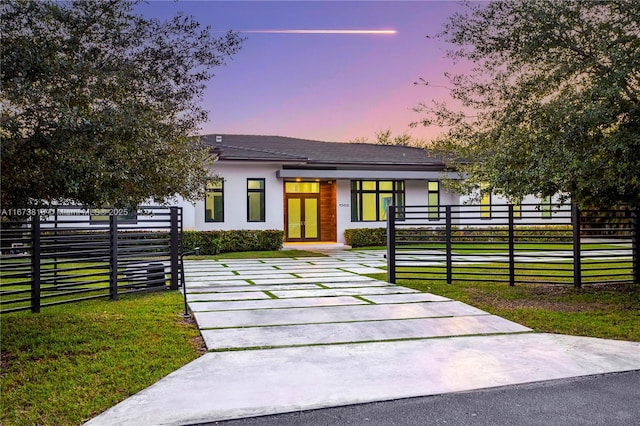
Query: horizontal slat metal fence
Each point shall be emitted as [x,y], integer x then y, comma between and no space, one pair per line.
[527,243]
[66,254]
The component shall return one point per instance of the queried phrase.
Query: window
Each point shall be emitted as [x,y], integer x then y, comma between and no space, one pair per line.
[302,187]
[255,200]
[433,199]
[370,199]
[214,202]
[545,207]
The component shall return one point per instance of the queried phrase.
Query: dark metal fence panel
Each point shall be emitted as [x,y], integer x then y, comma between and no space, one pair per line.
[606,247]
[19,263]
[543,243]
[527,243]
[69,254]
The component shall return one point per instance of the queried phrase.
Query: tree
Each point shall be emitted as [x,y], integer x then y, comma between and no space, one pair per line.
[100,105]
[385,137]
[551,103]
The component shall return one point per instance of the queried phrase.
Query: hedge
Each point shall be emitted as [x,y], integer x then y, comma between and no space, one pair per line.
[362,237]
[214,242]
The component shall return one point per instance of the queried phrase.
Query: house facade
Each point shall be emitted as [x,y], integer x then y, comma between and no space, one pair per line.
[312,190]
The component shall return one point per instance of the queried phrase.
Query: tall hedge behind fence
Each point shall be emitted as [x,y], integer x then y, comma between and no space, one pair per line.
[214,242]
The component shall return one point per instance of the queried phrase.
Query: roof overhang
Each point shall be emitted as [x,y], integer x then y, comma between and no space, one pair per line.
[363,174]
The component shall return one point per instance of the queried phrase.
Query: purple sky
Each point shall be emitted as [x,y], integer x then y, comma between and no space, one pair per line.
[334,87]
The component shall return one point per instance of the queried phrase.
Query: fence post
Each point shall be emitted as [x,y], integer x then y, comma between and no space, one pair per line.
[577,261]
[635,245]
[175,249]
[512,254]
[391,244]
[448,244]
[113,257]
[35,263]
[55,242]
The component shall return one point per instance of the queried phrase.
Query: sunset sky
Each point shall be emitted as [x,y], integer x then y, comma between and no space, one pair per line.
[316,82]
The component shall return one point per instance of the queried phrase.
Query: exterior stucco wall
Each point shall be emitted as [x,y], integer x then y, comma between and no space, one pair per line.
[235,202]
[531,213]
[235,198]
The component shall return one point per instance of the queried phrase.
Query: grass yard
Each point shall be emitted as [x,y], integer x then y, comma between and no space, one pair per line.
[497,248]
[70,362]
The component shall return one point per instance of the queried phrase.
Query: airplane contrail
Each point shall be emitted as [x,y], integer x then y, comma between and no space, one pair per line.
[371,32]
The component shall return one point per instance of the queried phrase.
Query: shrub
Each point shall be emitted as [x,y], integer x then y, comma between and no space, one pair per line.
[362,237]
[214,242]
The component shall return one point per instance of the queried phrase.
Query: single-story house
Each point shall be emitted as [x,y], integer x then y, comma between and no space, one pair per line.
[312,190]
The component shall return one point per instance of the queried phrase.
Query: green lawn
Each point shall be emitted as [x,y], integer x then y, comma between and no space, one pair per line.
[554,272]
[70,362]
[500,248]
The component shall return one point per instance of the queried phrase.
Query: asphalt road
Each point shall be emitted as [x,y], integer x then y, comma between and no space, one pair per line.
[611,400]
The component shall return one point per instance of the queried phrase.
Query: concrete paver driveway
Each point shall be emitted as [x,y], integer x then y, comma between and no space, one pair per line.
[294,334]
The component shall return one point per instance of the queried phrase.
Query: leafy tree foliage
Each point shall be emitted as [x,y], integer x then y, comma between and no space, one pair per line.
[385,137]
[99,104]
[551,102]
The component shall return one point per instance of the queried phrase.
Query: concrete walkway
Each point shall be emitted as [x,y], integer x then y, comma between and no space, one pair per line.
[297,334]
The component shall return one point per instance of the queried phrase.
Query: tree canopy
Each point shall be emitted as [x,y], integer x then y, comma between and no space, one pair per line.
[385,137]
[551,101]
[100,105]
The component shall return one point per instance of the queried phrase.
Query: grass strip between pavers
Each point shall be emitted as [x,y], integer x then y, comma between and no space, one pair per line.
[405,339]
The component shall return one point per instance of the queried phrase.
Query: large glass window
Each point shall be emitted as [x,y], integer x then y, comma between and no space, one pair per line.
[433,199]
[255,200]
[370,199]
[214,202]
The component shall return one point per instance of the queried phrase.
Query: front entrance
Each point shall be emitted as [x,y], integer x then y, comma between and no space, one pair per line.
[303,213]
[310,211]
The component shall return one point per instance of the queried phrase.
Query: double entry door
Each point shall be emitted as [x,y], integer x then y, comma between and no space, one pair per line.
[303,217]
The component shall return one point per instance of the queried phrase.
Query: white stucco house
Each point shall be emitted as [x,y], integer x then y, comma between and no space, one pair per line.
[313,190]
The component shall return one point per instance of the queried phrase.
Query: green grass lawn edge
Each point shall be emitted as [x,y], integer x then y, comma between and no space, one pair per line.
[69,363]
